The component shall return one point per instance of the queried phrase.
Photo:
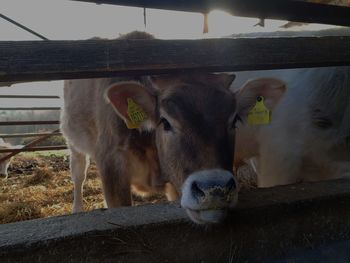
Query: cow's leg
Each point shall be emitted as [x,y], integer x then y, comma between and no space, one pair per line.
[115,175]
[78,164]
[7,163]
[3,170]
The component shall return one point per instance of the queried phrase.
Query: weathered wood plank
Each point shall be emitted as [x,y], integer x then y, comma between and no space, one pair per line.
[49,60]
[292,10]
[268,223]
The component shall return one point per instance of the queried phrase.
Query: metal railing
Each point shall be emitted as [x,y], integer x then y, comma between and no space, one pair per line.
[38,136]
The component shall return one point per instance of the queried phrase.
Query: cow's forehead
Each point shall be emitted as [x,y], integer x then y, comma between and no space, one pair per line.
[194,101]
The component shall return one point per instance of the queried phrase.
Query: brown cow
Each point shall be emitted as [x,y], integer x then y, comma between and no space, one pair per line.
[146,133]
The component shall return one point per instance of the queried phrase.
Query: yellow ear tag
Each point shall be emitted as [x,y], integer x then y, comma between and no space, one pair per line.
[136,114]
[259,114]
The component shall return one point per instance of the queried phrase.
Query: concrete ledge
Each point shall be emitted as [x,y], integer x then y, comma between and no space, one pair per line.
[268,224]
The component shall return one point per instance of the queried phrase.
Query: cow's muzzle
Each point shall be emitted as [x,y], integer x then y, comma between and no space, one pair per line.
[208,194]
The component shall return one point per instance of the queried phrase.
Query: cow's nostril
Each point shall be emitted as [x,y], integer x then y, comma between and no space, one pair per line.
[196,191]
[231,184]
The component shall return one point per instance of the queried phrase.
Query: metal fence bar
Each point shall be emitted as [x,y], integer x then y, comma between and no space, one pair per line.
[22,26]
[31,108]
[28,96]
[10,123]
[27,135]
[26,147]
[33,149]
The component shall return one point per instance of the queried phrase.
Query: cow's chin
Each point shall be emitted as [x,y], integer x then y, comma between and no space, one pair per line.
[205,217]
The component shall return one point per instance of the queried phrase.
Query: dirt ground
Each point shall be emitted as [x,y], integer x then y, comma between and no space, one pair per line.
[39,185]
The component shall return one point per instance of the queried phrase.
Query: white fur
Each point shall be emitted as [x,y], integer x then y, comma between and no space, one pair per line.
[284,151]
[292,148]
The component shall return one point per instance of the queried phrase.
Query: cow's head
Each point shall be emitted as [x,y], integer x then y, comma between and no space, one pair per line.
[193,117]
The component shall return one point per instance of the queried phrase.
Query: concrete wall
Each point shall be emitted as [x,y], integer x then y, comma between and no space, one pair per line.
[303,221]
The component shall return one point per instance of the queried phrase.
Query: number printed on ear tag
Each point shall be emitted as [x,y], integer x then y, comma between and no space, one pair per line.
[259,114]
[136,114]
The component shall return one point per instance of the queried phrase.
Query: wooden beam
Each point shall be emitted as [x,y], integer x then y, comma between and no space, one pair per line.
[291,10]
[50,60]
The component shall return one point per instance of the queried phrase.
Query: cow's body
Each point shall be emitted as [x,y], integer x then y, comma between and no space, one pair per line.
[4,164]
[128,157]
[247,137]
[309,136]
[94,130]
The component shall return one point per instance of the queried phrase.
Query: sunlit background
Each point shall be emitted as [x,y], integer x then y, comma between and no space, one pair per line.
[70,20]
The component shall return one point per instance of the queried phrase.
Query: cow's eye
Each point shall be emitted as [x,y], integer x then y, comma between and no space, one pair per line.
[165,123]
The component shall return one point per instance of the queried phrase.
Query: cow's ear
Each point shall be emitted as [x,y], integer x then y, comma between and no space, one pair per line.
[134,104]
[271,89]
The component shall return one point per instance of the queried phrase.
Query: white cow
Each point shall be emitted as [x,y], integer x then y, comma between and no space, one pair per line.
[309,136]
[247,141]
[5,164]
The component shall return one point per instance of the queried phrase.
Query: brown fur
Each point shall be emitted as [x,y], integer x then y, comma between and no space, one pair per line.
[199,105]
